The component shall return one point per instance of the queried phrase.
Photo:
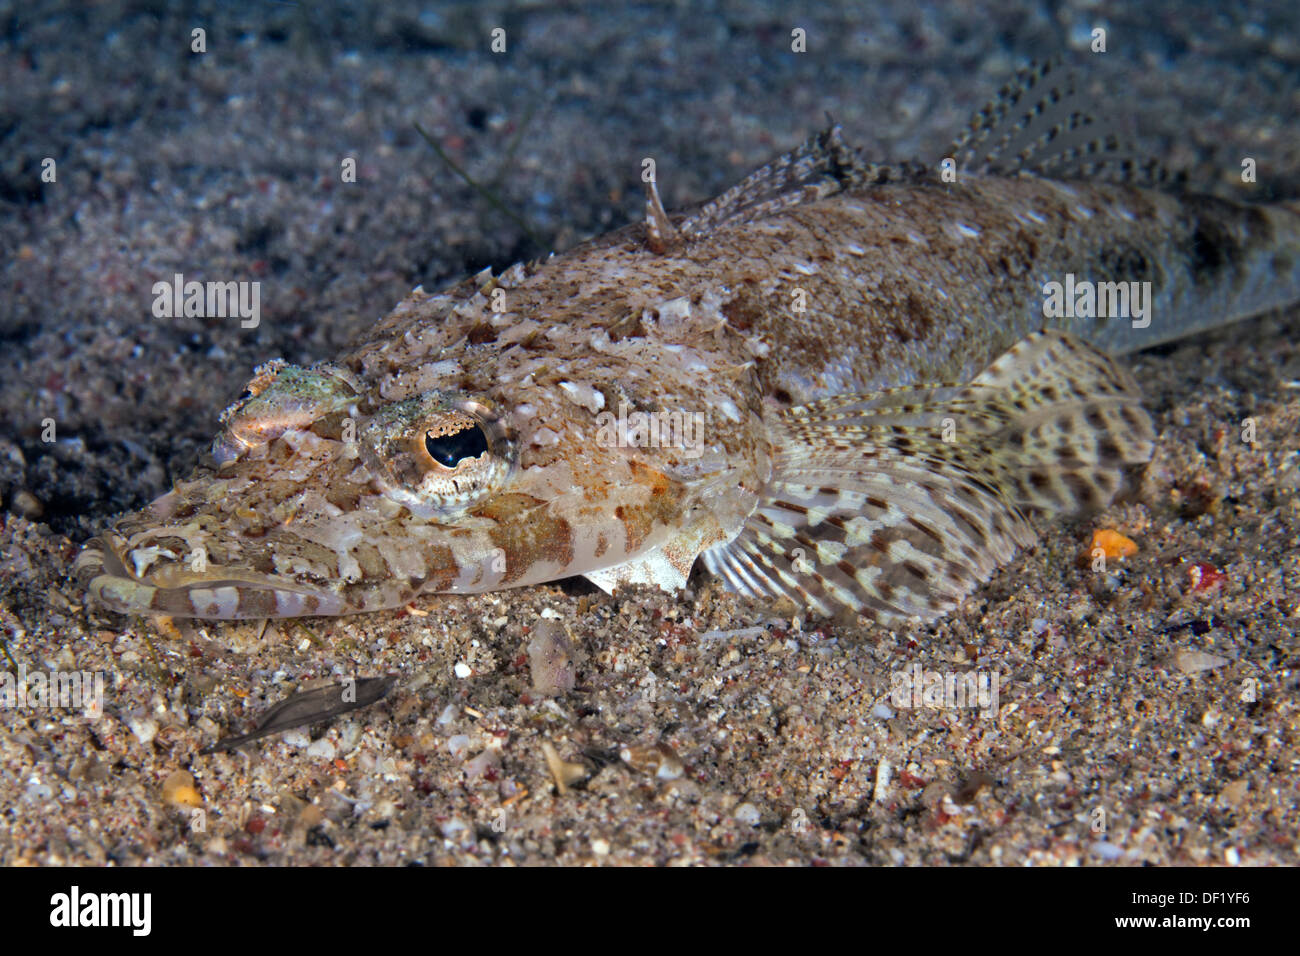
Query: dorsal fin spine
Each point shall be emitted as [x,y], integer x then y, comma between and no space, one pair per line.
[661,234]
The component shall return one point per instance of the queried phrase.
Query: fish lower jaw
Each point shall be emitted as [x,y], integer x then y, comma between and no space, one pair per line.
[221,602]
[109,583]
[217,602]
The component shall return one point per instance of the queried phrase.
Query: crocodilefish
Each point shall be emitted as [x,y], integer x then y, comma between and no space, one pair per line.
[856,385]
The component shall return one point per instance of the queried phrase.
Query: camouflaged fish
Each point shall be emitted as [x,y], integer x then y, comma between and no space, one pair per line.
[885,399]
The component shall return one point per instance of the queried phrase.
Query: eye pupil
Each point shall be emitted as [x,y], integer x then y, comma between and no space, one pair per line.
[450,450]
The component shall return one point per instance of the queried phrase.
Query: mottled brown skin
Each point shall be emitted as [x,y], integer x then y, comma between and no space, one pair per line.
[942,309]
[903,311]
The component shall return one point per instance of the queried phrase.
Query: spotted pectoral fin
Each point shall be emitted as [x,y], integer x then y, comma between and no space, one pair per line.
[1069,421]
[898,504]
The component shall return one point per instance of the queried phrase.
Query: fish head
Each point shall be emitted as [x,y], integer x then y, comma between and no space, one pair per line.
[330,492]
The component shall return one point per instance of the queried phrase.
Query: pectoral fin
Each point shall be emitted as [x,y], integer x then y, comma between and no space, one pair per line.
[897,504]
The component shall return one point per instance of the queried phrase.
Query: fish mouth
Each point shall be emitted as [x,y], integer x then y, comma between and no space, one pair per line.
[216,593]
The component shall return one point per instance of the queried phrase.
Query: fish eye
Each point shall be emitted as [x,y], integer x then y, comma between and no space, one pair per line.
[436,454]
[451,445]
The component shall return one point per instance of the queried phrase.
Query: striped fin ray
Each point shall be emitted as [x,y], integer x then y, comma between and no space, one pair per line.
[898,504]
[811,171]
[821,166]
[1043,122]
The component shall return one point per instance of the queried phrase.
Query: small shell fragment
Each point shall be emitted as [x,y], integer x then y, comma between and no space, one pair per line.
[564,772]
[1193,662]
[884,771]
[1205,578]
[658,759]
[1234,793]
[550,659]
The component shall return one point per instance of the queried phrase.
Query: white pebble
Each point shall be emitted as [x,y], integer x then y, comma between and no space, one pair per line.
[145,730]
[884,771]
[1107,851]
[1193,662]
[882,710]
[747,815]
[487,760]
[349,735]
[458,745]
[453,828]
[322,749]
[462,670]
[37,792]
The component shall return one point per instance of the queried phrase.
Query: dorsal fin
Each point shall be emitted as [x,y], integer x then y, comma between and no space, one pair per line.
[821,166]
[1044,124]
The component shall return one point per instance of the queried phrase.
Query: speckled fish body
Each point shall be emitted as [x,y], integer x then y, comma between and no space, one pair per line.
[883,406]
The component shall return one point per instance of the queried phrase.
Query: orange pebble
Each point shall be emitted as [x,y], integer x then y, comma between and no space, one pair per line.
[179,791]
[1112,544]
